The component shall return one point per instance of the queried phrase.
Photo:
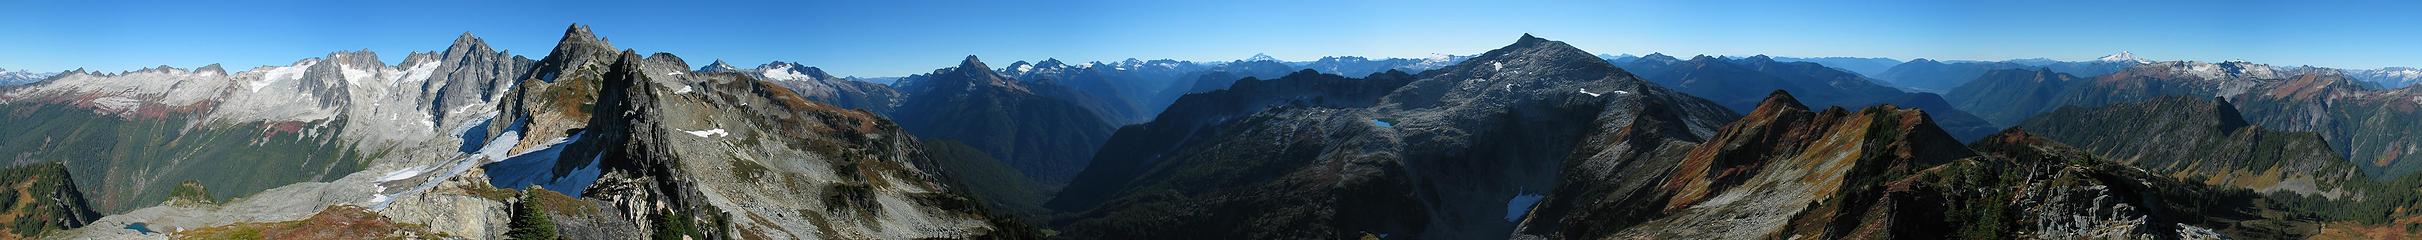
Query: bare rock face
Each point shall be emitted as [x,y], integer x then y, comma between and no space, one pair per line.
[467,75]
[736,156]
[555,98]
[1783,168]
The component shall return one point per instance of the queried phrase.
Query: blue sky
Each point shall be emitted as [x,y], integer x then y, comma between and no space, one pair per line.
[890,38]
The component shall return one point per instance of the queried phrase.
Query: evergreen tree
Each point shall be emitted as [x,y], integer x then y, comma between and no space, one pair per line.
[529,222]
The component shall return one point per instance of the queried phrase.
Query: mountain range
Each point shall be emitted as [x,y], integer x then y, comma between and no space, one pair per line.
[1536,139]
[2359,121]
[20,77]
[1742,83]
[646,146]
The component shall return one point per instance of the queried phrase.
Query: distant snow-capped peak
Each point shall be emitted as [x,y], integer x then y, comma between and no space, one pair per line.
[2123,56]
[14,77]
[785,71]
[2390,76]
[1261,57]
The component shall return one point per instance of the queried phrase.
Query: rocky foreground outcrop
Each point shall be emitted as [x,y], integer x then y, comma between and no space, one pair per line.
[1784,171]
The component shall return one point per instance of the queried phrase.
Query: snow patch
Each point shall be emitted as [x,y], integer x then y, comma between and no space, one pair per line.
[275,74]
[709,133]
[684,89]
[420,72]
[1586,91]
[116,103]
[498,149]
[354,76]
[1520,205]
[783,73]
[401,174]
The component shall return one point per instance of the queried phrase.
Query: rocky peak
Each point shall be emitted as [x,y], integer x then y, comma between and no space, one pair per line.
[973,64]
[1705,59]
[1659,57]
[1790,159]
[363,58]
[579,34]
[467,41]
[669,58]
[468,73]
[1050,63]
[1760,58]
[1531,54]
[212,68]
[1780,101]
[1528,68]
[1528,39]
[163,68]
[718,66]
[578,46]
[969,75]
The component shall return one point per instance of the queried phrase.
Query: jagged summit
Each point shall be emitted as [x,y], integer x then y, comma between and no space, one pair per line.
[466,40]
[718,66]
[578,32]
[577,40]
[967,76]
[972,63]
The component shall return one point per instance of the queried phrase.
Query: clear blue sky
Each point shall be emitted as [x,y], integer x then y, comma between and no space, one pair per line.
[888,38]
